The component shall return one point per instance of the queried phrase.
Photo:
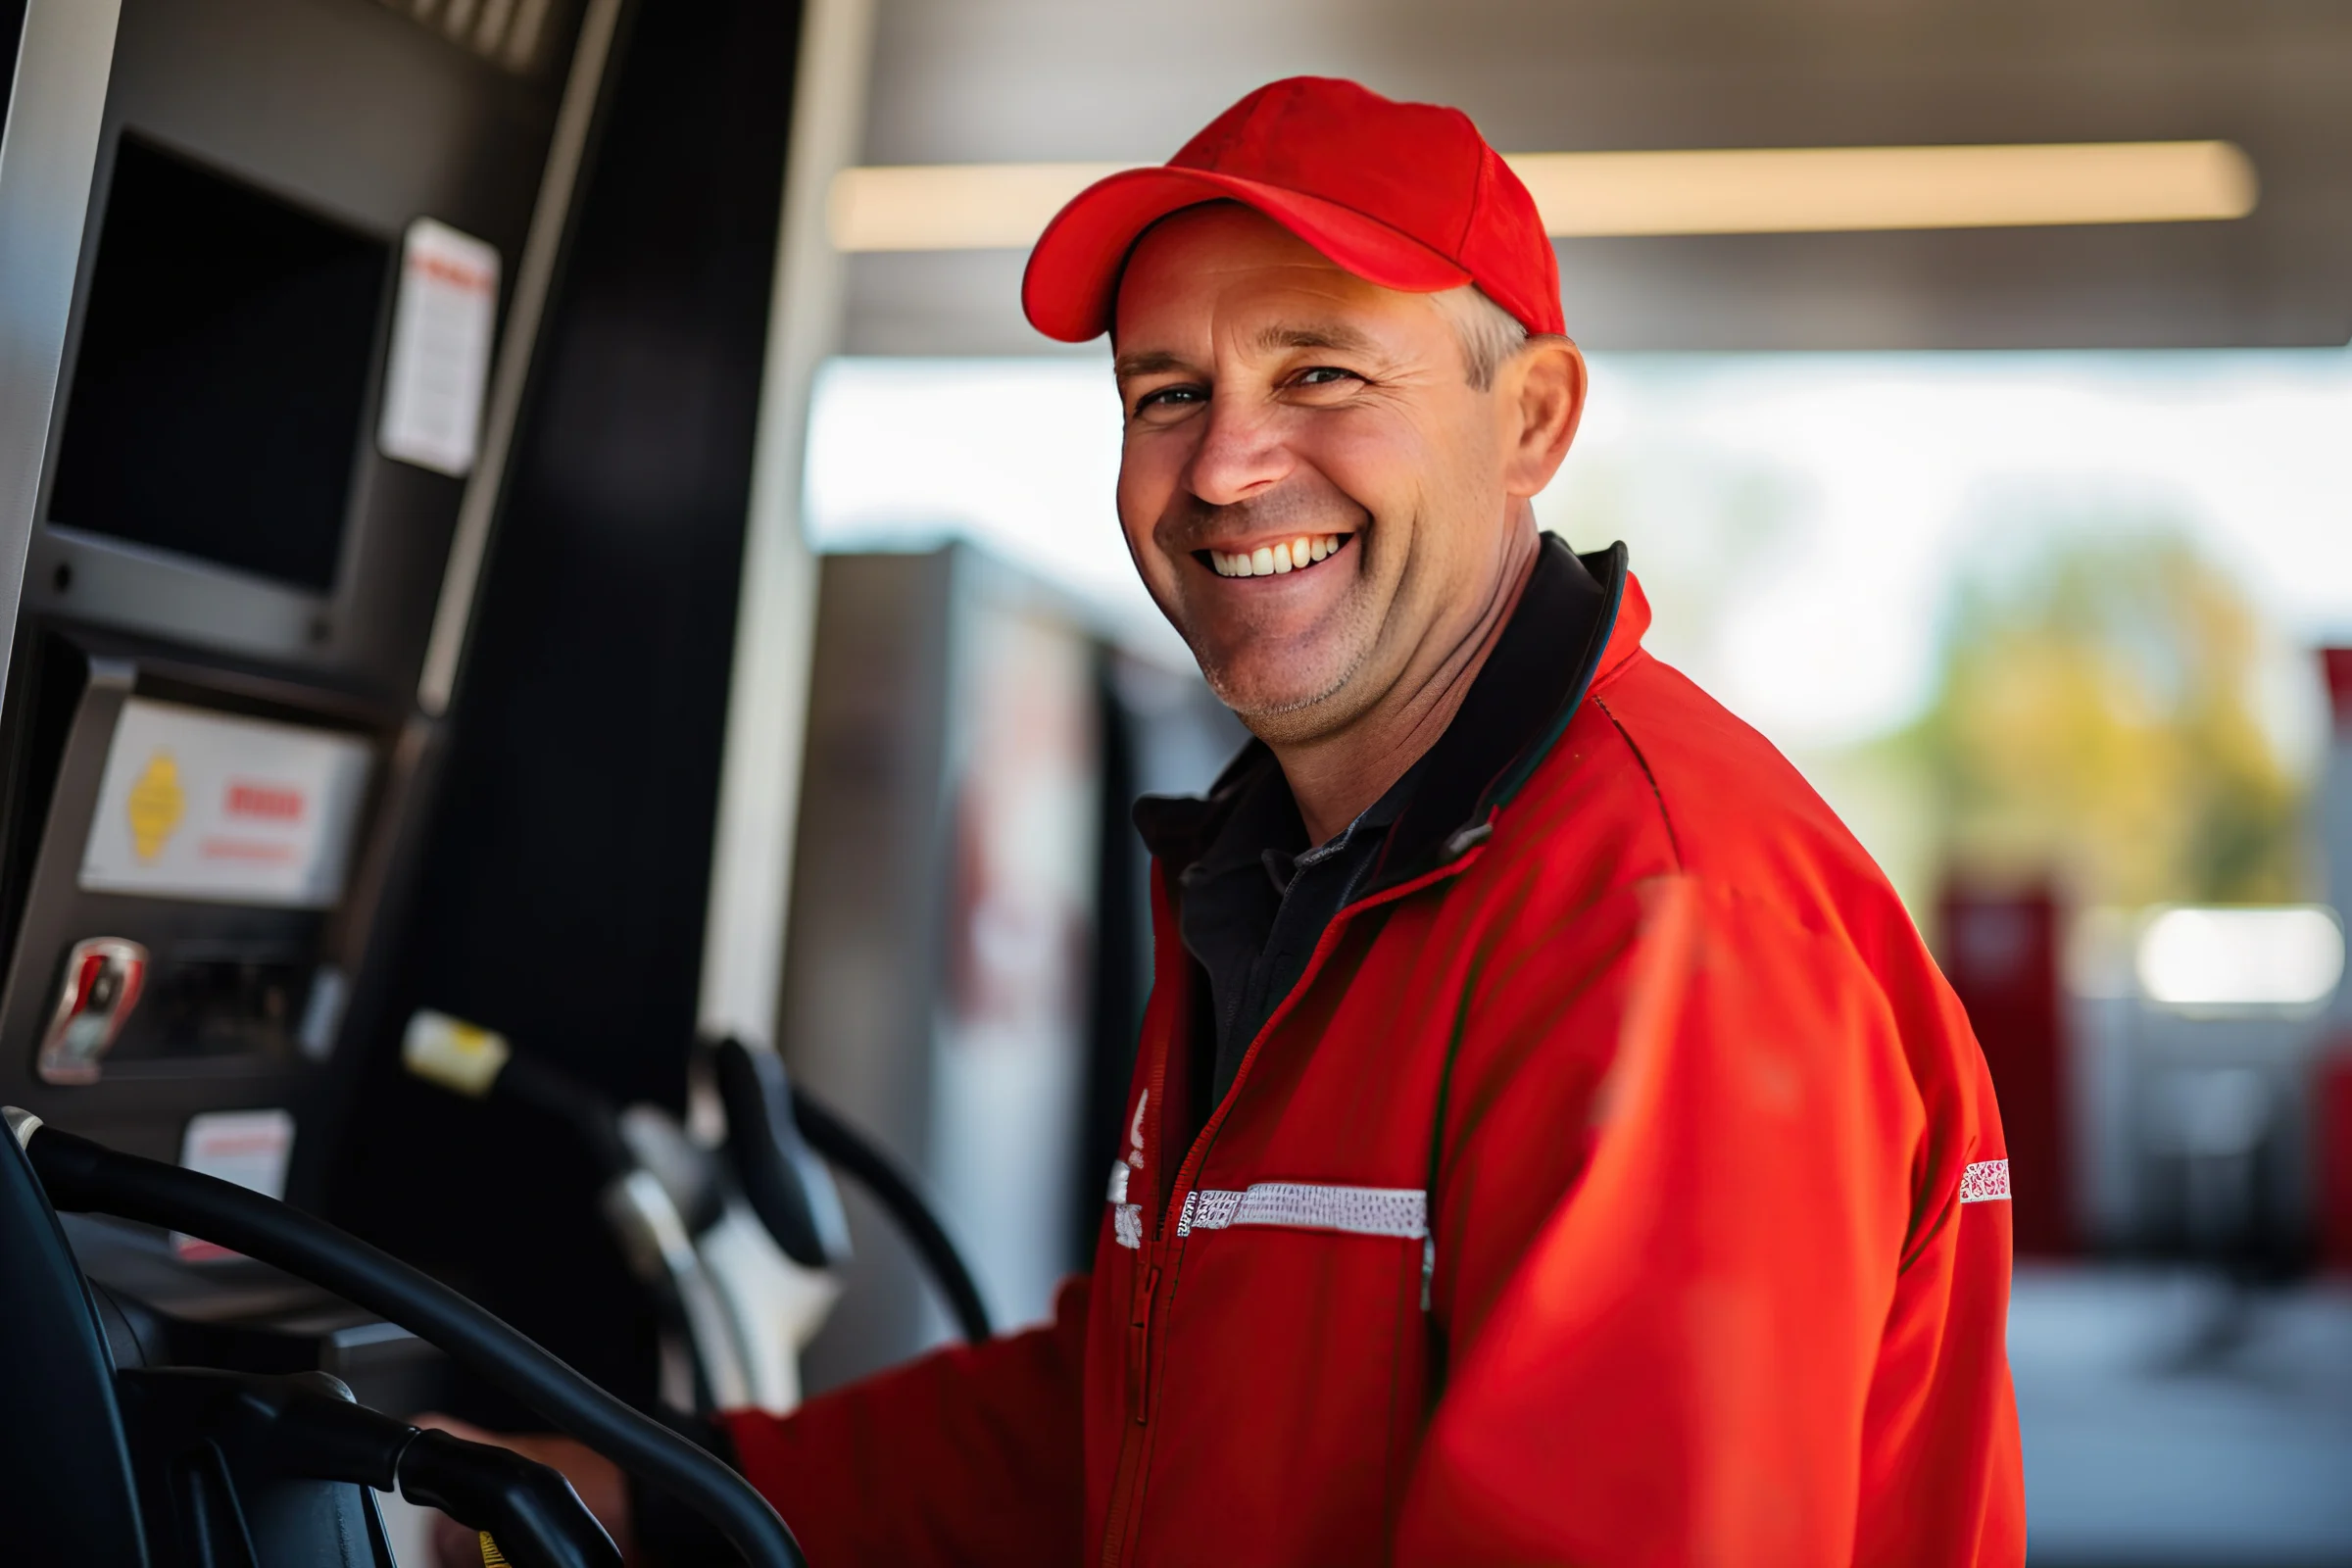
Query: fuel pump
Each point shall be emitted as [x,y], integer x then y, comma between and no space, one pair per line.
[280,276]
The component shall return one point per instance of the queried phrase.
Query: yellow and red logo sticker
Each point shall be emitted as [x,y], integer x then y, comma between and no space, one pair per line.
[155,805]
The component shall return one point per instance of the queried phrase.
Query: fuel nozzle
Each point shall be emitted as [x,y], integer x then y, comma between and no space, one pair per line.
[527,1512]
[305,1424]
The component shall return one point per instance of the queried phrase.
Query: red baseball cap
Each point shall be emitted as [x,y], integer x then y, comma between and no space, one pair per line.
[1407,196]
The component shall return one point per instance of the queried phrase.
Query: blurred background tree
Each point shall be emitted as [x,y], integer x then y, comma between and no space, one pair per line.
[2099,716]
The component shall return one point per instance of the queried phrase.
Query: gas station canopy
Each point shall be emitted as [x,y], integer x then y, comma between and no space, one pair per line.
[1061,82]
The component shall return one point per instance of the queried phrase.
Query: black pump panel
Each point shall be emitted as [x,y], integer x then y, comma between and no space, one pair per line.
[222,370]
[214,476]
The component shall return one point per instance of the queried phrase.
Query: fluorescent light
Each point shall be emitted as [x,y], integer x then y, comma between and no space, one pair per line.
[1797,189]
[954,207]
[2198,958]
[1742,191]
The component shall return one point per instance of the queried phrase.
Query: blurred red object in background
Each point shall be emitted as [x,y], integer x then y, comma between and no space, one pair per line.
[2001,956]
[2337,662]
[2332,1082]
[2333,1085]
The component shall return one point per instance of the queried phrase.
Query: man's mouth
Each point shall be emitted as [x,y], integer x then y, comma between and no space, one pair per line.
[1267,560]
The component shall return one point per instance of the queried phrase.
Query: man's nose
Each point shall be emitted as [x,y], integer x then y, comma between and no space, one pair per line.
[1240,453]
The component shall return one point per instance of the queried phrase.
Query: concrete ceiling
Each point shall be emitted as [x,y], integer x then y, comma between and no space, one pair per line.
[986,81]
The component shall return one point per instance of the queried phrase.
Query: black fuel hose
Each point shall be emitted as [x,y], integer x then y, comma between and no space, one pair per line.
[83,1176]
[860,1156]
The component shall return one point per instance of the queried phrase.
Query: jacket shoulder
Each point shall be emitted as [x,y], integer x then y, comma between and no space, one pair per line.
[1723,805]
[1655,778]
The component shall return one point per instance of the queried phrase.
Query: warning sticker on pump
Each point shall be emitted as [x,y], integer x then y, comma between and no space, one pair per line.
[196,805]
[438,366]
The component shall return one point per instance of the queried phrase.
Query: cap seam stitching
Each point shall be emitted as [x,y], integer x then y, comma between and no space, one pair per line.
[1477,202]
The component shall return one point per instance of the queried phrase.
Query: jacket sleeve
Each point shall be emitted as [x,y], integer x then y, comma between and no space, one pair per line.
[969,1455]
[1668,1282]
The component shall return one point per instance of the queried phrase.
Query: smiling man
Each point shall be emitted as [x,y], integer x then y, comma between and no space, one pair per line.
[1549,1140]
[1306,453]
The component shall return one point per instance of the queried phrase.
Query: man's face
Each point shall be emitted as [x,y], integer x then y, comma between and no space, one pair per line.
[1280,409]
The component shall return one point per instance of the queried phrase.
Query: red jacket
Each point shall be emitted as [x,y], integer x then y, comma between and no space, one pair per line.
[1607,1191]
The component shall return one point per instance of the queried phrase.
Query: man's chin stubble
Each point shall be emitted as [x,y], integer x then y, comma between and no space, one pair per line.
[1295,717]
[1300,715]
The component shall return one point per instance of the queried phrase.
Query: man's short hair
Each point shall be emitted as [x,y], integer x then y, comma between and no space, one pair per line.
[1489,334]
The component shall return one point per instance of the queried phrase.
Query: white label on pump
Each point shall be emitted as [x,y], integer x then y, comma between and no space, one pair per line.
[197,805]
[439,364]
[250,1148]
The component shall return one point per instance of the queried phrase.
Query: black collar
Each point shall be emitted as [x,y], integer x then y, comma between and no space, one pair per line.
[1516,713]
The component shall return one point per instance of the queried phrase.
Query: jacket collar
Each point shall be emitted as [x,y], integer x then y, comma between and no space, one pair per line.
[1567,631]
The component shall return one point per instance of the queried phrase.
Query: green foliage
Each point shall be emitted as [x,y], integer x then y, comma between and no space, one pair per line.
[2097,719]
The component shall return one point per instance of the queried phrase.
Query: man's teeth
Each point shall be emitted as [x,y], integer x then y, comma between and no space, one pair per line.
[1270,560]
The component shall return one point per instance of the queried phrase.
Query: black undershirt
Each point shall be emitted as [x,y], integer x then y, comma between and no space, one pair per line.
[1254,905]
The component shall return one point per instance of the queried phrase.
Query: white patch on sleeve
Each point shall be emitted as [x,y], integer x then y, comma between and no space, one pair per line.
[1127,1225]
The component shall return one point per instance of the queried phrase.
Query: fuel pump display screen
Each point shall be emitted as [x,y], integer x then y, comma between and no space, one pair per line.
[197,805]
[222,372]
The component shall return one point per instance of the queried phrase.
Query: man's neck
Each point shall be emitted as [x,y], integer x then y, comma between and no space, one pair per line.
[1335,778]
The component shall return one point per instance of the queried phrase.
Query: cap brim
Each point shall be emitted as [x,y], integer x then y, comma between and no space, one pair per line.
[1071,286]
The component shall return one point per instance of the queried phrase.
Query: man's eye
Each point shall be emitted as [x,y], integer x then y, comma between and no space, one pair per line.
[1169,398]
[1324,375]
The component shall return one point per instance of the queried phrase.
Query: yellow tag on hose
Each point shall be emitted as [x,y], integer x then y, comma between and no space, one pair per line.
[453,1053]
[492,1557]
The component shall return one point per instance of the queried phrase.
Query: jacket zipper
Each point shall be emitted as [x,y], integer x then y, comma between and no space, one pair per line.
[1139,1347]
[1138,1412]
[1160,1250]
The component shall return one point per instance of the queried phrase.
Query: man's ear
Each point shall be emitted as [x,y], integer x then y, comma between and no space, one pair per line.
[1543,397]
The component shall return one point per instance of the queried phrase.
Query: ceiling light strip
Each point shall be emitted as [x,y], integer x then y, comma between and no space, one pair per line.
[1740,191]
[954,207]
[1824,189]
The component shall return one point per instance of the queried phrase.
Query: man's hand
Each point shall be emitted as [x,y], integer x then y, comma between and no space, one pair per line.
[597,1479]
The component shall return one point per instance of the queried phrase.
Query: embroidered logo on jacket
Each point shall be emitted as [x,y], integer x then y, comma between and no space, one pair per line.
[1985,1182]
